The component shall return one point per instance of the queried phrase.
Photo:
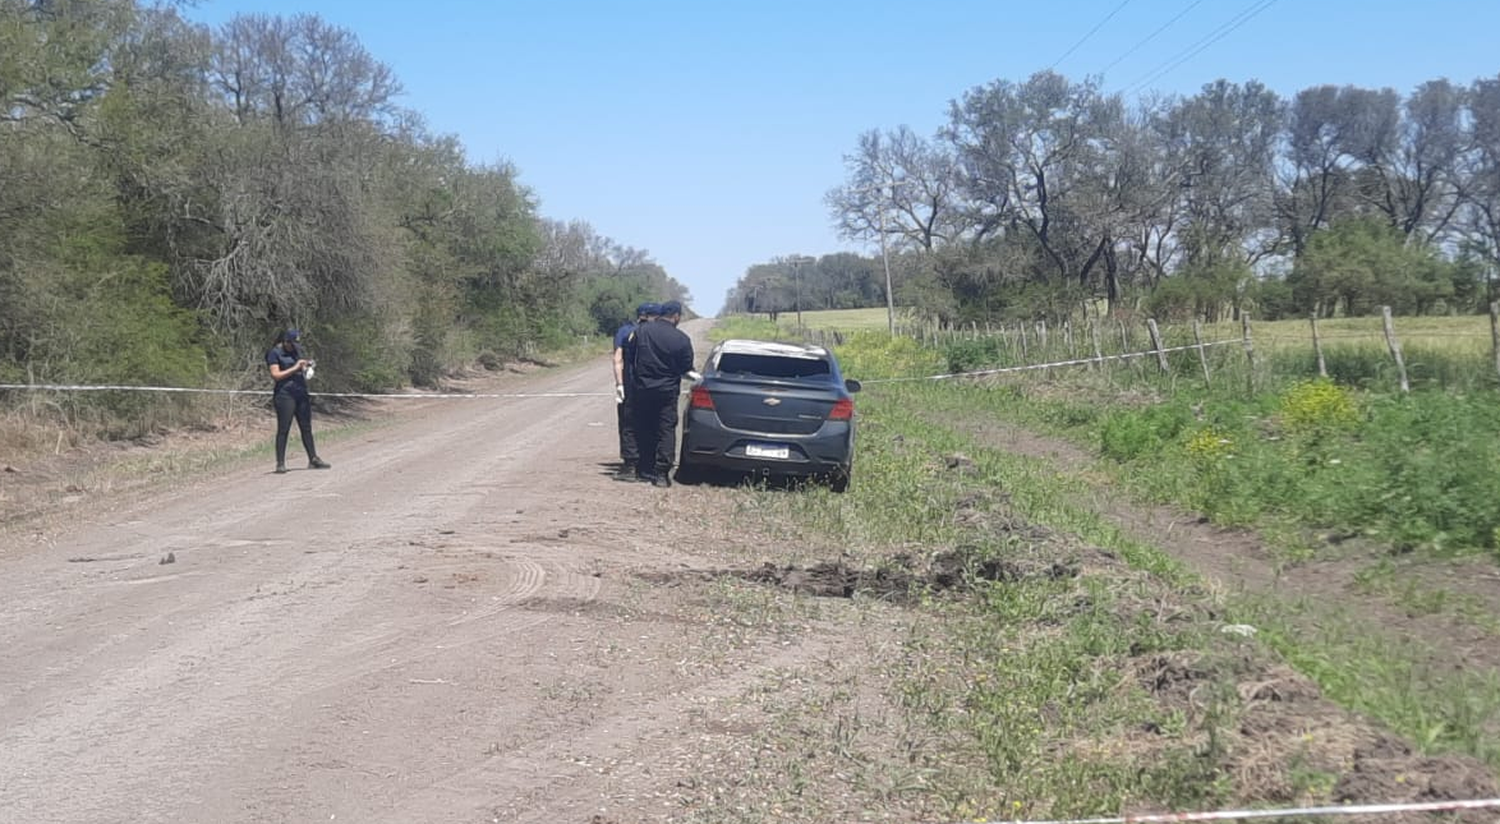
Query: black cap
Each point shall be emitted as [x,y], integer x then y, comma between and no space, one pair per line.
[671,307]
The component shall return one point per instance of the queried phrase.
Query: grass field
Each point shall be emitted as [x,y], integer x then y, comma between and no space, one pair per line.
[1467,334]
[843,320]
[1454,353]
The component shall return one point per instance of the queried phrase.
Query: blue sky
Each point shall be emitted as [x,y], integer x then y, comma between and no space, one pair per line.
[708,132]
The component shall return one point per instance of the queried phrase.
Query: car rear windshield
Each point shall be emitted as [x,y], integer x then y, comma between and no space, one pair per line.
[771,366]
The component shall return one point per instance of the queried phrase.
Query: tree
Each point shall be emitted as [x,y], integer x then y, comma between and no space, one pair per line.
[57,58]
[1060,163]
[1361,264]
[1221,145]
[1480,178]
[1418,171]
[901,185]
[1333,133]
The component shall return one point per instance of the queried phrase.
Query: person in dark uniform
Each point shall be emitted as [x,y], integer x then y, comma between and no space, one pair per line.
[662,356]
[623,368]
[290,372]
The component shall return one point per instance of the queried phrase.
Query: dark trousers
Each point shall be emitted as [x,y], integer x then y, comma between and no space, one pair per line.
[655,431]
[291,405]
[626,415]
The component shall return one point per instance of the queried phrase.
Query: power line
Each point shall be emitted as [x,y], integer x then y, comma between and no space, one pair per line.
[1152,36]
[1198,47]
[1091,33]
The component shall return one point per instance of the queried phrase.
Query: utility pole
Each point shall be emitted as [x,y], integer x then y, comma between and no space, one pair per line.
[885,258]
[796,261]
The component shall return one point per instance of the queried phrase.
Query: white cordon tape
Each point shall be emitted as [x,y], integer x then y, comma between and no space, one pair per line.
[58,387]
[55,387]
[1311,812]
[1034,366]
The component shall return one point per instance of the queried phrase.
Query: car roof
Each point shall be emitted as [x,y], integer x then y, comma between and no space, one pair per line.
[773,348]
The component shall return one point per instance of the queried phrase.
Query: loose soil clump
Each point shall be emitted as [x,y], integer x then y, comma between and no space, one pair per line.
[902,580]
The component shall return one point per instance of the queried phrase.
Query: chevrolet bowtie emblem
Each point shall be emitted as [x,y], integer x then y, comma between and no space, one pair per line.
[772,401]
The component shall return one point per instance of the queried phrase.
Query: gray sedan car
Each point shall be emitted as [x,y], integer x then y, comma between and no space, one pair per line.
[776,409]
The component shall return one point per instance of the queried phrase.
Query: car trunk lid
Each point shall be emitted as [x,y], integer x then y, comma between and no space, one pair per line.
[771,406]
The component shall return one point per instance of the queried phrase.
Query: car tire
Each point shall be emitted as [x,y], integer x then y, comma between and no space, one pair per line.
[839,482]
[689,475]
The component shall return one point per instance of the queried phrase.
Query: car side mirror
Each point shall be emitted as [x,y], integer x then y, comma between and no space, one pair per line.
[852,385]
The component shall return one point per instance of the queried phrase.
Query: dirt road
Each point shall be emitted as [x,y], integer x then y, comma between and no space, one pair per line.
[446,627]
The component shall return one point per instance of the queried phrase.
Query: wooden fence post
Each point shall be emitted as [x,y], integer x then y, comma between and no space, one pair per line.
[1161,357]
[1249,350]
[1318,346]
[1202,355]
[1021,330]
[1098,350]
[1495,332]
[1043,353]
[1068,337]
[1395,347]
[1134,363]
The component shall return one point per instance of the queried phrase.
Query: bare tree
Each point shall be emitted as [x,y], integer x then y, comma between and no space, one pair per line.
[901,185]
[299,71]
[1333,134]
[1417,172]
[1019,148]
[1480,177]
[1222,147]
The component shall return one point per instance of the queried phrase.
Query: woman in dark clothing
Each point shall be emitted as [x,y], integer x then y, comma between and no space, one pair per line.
[290,371]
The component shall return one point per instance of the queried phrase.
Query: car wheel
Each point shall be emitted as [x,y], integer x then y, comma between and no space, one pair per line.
[689,475]
[839,481]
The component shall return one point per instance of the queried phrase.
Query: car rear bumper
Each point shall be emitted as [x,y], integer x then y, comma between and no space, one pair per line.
[707,443]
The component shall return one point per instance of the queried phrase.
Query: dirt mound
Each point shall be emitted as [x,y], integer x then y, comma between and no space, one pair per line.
[902,579]
[1292,746]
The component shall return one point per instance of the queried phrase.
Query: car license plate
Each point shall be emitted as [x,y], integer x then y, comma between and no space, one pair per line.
[757,450]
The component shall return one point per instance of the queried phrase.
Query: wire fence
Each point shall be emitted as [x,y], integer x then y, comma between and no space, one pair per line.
[1378,352]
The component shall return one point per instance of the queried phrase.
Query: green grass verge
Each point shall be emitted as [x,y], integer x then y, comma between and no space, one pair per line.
[1042,674]
[1044,692]
[1392,679]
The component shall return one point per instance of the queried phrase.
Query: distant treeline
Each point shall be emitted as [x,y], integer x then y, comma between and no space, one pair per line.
[171,194]
[1041,195]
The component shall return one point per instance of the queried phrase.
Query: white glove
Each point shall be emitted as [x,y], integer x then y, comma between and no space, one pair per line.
[694,376]
[619,393]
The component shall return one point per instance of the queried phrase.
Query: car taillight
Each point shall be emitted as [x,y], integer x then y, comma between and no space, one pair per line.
[843,410]
[700,399]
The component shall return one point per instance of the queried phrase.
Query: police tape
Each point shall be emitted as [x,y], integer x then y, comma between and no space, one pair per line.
[59,387]
[1001,370]
[1281,813]
[55,387]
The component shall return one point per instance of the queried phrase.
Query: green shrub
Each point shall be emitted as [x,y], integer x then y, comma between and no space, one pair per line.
[870,355]
[1318,406]
[978,353]
[355,354]
[1128,434]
